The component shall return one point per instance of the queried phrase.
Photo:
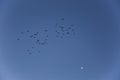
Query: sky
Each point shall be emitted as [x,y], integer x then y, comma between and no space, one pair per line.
[59,39]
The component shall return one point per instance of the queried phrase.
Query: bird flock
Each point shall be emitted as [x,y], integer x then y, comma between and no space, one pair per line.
[41,38]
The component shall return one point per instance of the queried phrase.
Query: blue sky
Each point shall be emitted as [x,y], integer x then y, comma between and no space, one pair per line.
[53,39]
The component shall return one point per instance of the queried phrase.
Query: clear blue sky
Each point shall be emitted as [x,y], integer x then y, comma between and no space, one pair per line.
[59,40]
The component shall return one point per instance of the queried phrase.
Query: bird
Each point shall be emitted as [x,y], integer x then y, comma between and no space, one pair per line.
[30,53]
[46,30]
[62,18]
[72,25]
[28,31]
[68,32]
[46,35]
[35,34]
[31,36]
[18,39]
[34,37]
[69,27]
[61,37]
[56,23]
[21,32]
[37,40]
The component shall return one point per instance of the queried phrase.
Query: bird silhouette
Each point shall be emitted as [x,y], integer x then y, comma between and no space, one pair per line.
[18,39]
[62,19]
[21,32]
[28,31]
